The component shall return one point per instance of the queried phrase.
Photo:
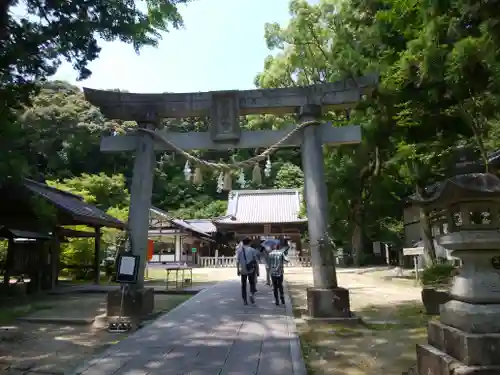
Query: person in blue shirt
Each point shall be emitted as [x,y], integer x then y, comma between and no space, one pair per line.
[277,260]
[247,263]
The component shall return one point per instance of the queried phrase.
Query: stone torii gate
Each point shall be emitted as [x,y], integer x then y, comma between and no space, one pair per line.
[326,299]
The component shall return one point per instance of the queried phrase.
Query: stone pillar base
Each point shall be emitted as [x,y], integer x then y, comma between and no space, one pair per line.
[329,303]
[137,304]
[453,351]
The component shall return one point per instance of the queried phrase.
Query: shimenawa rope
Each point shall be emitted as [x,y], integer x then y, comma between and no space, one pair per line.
[225,166]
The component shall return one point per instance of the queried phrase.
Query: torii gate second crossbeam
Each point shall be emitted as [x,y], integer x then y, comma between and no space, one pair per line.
[326,299]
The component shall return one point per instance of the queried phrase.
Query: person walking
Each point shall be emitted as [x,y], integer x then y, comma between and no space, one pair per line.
[255,245]
[246,263]
[277,260]
[266,247]
[265,256]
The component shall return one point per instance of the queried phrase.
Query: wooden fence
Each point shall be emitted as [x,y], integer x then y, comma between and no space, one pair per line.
[213,262]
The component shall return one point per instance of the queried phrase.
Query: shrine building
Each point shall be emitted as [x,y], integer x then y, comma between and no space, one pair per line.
[263,214]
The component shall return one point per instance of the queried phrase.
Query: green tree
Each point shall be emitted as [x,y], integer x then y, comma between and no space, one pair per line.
[106,192]
[35,37]
[313,49]
[100,190]
[60,133]
[411,124]
[289,176]
[208,210]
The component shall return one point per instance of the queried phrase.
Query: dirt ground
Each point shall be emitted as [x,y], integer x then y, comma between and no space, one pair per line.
[386,345]
[394,319]
[200,275]
[41,348]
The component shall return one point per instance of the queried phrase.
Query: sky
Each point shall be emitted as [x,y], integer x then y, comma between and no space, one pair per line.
[221,47]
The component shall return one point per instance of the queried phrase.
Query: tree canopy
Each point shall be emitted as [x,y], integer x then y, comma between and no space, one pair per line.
[37,36]
[438,67]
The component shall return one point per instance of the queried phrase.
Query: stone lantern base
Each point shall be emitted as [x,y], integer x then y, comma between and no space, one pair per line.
[455,351]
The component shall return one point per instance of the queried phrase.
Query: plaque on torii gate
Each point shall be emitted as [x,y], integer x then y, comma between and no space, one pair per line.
[225,108]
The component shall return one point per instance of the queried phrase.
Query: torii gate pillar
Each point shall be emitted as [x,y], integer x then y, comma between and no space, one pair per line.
[326,299]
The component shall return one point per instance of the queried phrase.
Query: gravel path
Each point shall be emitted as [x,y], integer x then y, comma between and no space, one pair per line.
[366,288]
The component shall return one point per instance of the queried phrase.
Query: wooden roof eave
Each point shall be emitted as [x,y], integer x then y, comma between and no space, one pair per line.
[201,236]
[73,233]
[34,187]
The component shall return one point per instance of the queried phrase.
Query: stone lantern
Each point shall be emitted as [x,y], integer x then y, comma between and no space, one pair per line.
[466,339]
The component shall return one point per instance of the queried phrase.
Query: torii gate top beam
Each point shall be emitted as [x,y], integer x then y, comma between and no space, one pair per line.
[146,107]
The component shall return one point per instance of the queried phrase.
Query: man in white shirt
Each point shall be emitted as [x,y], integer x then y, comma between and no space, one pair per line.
[247,263]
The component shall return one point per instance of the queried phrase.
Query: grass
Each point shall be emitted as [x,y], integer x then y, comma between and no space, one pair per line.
[402,315]
[383,344]
[103,279]
[333,349]
[8,314]
[20,307]
[13,307]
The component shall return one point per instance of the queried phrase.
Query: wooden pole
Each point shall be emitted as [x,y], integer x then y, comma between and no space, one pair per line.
[97,255]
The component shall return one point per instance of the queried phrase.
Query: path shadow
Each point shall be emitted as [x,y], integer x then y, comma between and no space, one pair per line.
[212,331]
[56,348]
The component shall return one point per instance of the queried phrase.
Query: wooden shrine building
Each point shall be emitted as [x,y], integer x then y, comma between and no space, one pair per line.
[262,214]
[34,218]
[178,240]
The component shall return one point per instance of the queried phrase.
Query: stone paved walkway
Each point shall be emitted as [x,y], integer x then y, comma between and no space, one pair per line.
[213,333]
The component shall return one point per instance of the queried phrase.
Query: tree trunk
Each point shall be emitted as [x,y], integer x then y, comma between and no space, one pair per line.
[426,230]
[4,18]
[427,238]
[9,263]
[357,243]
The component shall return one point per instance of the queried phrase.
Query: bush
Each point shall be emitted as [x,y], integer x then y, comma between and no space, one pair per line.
[438,274]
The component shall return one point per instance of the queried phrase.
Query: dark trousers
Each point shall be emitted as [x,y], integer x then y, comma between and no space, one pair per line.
[251,280]
[278,287]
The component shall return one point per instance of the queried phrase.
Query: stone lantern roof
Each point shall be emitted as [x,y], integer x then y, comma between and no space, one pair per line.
[459,188]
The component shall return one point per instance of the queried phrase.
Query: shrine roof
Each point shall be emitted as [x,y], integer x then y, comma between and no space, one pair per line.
[204,225]
[195,225]
[271,206]
[74,205]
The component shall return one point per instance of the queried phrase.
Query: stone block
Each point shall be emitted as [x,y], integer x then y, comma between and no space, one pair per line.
[471,318]
[472,349]
[137,303]
[431,361]
[328,303]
